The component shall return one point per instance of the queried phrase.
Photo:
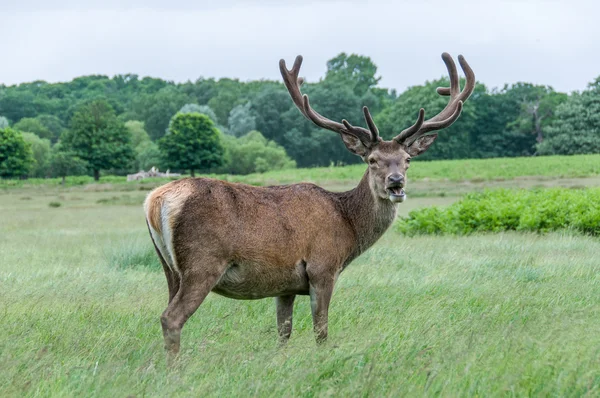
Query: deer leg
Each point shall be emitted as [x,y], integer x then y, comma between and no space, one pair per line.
[195,285]
[320,297]
[285,309]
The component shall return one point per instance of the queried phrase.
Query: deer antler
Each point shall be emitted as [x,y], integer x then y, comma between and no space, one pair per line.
[452,110]
[293,82]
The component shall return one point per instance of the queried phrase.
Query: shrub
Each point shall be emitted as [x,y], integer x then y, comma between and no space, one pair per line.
[540,211]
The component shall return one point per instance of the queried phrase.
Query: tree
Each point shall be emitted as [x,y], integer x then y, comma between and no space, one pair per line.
[156,109]
[53,125]
[99,138]
[3,122]
[576,129]
[138,133]
[147,154]
[202,109]
[229,95]
[32,125]
[241,120]
[40,148]
[63,163]
[192,143]
[16,157]
[356,70]
[253,153]
[537,104]
[269,106]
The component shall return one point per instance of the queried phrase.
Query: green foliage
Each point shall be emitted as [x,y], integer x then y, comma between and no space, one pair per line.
[453,142]
[576,129]
[510,210]
[253,153]
[41,151]
[147,155]
[495,123]
[53,126]
[241,120]
[99,138]
[202,109]
[16,158]
[44,126]
[192,143]
[138,133]
[156,109]
[355,70]
[538,104]
[63,163]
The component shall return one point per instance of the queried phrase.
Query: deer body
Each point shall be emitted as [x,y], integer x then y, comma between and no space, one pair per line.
[268,237]
[247,242]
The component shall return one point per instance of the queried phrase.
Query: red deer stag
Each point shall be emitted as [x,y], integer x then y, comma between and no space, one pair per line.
[247,242]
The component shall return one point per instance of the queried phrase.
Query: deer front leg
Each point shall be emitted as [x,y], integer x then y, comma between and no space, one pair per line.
[285,309]
[320,297]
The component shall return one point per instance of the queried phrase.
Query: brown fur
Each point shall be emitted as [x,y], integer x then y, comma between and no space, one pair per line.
[248,242]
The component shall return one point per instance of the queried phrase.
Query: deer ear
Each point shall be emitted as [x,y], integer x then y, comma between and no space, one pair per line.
[354,145]
[421,144]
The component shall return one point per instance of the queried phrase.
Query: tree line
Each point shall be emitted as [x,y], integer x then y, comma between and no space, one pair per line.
[125,123]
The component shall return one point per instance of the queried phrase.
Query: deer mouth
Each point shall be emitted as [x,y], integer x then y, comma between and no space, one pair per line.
[396,194]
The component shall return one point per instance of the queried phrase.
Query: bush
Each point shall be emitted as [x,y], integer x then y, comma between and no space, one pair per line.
[510,210]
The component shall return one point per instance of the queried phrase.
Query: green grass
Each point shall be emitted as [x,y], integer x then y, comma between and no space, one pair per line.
[495,315]
[474,170]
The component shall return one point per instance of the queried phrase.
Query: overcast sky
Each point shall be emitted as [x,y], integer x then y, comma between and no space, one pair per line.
[546,42]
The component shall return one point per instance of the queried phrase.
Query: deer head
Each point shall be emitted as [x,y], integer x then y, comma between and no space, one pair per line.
[388,161]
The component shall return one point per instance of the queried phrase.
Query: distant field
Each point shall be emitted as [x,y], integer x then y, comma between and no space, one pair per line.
[470,170]
[504,314]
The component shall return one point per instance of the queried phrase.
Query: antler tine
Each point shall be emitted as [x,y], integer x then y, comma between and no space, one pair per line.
[371,125]
[451,111]
[412,129]
[435,125]
[292,82]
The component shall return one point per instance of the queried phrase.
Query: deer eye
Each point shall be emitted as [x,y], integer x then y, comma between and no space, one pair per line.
[372,161]
[408,161]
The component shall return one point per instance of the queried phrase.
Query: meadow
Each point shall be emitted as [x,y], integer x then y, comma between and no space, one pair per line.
[504,314]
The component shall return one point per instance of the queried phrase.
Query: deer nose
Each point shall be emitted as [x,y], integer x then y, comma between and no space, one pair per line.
[395,179]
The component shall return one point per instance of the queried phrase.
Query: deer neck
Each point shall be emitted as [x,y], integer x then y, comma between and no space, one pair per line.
[369,215]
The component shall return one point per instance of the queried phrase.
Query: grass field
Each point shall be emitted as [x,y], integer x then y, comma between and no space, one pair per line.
[464,170]
[485,315]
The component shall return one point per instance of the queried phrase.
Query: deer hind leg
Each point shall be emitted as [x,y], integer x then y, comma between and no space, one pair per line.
[285,309]
[197,280]
[173,279]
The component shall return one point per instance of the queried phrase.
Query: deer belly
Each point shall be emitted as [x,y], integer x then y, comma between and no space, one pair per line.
[256,281]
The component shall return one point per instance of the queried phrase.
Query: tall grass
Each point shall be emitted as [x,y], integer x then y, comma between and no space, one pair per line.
[504,314]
